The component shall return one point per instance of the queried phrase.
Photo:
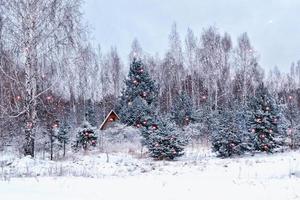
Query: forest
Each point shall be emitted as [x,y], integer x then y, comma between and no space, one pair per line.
[54,83]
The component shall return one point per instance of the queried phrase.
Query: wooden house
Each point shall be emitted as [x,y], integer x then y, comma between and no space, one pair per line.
[110,118]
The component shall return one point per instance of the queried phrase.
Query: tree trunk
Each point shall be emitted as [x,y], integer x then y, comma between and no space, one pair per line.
[64,146]
[51,145]
[31,83]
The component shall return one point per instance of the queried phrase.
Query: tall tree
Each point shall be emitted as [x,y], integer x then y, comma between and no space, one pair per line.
[116,70]
[36,28]
[140,94]
[248,74]
[136,51]
[191,64]
[264,120]
[172,71]
[214,60]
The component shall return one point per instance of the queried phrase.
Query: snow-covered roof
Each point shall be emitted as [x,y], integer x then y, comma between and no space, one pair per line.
[107,117]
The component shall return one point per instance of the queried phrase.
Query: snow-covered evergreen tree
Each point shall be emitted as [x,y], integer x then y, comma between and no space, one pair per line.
[138,101]
[263,119]
[86,136]
[139,113]
[231,137]
[90,114]
[165,142]
[292,115]
[182,109]
[63,136]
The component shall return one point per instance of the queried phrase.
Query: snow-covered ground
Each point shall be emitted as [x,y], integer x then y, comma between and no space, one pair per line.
[198,175]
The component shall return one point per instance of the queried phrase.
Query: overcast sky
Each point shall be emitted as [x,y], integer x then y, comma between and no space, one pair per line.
[272,25]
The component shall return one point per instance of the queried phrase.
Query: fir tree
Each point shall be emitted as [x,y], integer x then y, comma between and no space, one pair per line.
[139,113]
[63,136]
[230,137]
[165,142]
[90,113]
[182,109]
[263,120]
[86,136]
[291,113]
[138,101]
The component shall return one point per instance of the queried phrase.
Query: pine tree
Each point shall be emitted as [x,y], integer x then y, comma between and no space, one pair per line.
[230,137]
[86,136]
[139,113]
[165,142]
[182,109]
[291,113]
[90,113]
[263,119]
[63,136]
[138,101]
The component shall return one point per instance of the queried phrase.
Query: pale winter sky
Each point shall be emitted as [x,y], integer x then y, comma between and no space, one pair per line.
[272,25]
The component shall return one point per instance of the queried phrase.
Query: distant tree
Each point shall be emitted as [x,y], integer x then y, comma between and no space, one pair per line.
[214,60]
[182,109]
[190,62]
[248,73]
[63,136]
[172,71]
[90,114]
[116,70]
[111,77]
[136,51]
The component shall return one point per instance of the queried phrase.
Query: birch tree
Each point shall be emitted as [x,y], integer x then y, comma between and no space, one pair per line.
[37,30]
[248,74]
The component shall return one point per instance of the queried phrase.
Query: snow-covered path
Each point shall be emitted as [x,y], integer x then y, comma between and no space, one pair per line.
[273,177]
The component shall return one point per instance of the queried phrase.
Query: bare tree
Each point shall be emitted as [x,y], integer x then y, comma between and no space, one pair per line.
[172,70]
[37,31]
[248,73]
[136,51]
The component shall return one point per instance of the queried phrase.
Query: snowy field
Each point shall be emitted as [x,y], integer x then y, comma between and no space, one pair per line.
[198,175]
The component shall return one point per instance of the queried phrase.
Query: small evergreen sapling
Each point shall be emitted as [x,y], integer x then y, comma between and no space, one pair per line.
[86,136]
[63,136]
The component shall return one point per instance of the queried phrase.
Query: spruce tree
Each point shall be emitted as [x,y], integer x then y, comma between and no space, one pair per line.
[292,116]
[90,114]
[63,136]
[263,120]
[230,136]
[86,136]
[137,104]
[182,109]
[165,142]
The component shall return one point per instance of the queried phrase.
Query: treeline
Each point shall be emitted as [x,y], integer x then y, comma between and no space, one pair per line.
[50,74]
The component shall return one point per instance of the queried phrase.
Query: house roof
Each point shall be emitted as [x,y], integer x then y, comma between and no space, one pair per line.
[107,117]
